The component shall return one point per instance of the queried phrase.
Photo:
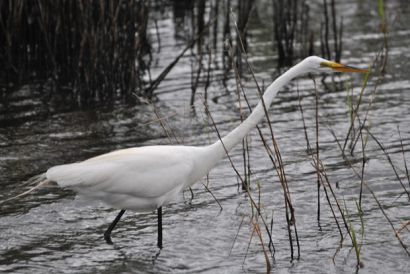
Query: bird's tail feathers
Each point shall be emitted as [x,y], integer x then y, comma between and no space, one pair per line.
[36,182]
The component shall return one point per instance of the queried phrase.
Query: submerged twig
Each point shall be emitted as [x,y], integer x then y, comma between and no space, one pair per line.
[213,196]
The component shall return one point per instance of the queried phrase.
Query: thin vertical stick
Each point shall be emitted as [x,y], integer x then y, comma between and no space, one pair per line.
[308,148]
[363,166]
[317,151]
[404,157]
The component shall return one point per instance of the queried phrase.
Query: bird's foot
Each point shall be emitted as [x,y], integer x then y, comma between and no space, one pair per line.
[107,238]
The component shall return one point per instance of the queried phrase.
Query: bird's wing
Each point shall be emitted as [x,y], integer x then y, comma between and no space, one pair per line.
[141,172]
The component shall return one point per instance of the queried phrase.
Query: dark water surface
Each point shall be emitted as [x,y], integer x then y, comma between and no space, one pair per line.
[53,231]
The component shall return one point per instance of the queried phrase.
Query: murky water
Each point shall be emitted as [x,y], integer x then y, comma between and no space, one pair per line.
[55,231]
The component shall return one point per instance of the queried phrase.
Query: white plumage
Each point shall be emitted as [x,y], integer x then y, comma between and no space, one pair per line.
[141,179]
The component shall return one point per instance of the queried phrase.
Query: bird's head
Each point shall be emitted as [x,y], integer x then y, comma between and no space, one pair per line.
[318,64]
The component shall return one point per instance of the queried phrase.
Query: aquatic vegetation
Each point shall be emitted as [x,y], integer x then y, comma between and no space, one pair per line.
[94,50]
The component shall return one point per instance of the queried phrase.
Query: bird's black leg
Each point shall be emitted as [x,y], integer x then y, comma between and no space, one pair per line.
[107,233]
[159,243]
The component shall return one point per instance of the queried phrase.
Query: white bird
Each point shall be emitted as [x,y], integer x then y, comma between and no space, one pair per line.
[146,178]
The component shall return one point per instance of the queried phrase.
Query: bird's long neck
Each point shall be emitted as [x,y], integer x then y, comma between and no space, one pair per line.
[219,148]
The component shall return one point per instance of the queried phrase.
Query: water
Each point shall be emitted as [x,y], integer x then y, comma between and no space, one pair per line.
[55,231]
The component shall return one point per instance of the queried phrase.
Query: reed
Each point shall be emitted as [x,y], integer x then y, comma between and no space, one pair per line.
[404,156]
[359,134]
[355,241]
[328,25]
[95,48]
[383,29]
[291,28]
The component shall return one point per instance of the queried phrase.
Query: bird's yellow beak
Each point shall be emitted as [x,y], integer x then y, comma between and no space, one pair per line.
[342,68]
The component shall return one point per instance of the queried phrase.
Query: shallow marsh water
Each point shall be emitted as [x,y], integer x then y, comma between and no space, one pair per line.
[54,231]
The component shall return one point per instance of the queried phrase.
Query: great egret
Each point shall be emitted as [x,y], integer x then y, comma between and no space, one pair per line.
[146,178]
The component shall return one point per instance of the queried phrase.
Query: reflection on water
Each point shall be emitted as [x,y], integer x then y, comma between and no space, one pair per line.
[52,231]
